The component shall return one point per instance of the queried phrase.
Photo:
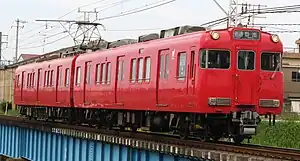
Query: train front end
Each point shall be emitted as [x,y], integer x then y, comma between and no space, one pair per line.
[242,78]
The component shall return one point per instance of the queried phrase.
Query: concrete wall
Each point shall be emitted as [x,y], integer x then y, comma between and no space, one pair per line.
[7,85]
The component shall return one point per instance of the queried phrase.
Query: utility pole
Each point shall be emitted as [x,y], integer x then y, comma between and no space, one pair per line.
[2,42]
[237,13]
[17,37]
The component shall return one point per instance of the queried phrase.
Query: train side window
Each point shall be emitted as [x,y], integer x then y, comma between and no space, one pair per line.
[166,71]
[192,64]
[161,67]
[181,66]
[141,69]
[103,75]
[270,61]
[98,73]
[67,78]
[59,76]
[147,69]
[45,79]
[52,79]
[33,80]
[133,70]
[78,75]
[88,72]
[121,70]
[246,60]
[108,71]
[48,78]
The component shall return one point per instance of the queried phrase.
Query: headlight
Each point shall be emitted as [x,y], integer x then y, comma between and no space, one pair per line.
[269,103]
[275,38]
[213,101]
[215,35]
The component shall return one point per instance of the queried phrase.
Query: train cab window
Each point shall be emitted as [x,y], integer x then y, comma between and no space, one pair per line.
[217,59]
[246,60]
[67,78]
[181,66]
[78,75]
[147,70]
[270,61]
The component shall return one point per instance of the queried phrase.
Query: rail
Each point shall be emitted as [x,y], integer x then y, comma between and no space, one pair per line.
[157,142]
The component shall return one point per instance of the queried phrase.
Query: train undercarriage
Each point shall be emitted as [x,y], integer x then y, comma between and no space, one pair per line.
[239,126]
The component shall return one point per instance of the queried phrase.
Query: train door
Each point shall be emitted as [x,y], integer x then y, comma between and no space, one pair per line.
[162,77]
[119,87]
[192,71]
[245,75]
[38,84]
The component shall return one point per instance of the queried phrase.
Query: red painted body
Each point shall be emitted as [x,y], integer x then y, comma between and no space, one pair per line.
[164,91]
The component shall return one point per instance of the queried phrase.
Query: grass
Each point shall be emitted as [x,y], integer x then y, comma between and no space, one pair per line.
[283,134]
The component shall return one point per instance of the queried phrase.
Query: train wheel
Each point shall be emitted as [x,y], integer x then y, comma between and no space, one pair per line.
[238,139]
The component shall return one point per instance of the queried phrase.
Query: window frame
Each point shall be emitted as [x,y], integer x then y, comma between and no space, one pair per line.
[295,80]
[181,78]
[146,67]
[76,82]
[133,70]
[140,69]
[280,61]
[237,60]
[206,57]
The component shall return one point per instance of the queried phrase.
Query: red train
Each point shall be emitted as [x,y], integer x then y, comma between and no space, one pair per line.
[188,81]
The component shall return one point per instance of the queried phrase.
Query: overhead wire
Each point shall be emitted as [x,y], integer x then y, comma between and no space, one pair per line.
[129,13]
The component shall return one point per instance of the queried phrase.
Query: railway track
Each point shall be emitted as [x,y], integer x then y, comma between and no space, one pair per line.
[244,149]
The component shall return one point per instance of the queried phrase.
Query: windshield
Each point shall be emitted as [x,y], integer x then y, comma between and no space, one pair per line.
[219,59]
[246,60]
[270,61]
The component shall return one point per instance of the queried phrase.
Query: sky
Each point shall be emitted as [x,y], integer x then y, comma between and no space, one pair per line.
[176,13]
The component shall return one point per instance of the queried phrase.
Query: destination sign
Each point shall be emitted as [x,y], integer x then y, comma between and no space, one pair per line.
[246,35]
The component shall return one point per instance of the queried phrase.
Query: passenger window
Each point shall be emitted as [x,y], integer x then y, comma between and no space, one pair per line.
[166,74]
[161,71]
[108,72]
[59,76]
[103,75]
[52,78]
[121,70]
[141,69]
[148,67]
[133,70]
[270,61]
[88,72]
[98,73]
[246,60]
[181,66]
[78,76]
[67,77]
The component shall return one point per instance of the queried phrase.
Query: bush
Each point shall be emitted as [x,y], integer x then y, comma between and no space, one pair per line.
[283,134]
[3,106]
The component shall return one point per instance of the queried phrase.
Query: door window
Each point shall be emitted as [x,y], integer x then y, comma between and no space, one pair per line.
[246,60]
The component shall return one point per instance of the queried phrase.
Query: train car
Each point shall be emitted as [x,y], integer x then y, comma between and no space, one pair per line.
[209,84]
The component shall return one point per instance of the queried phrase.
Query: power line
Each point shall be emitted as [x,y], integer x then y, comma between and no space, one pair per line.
[54,41]
[136,10]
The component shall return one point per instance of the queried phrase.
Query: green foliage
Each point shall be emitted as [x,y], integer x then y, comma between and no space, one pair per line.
[283,134]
